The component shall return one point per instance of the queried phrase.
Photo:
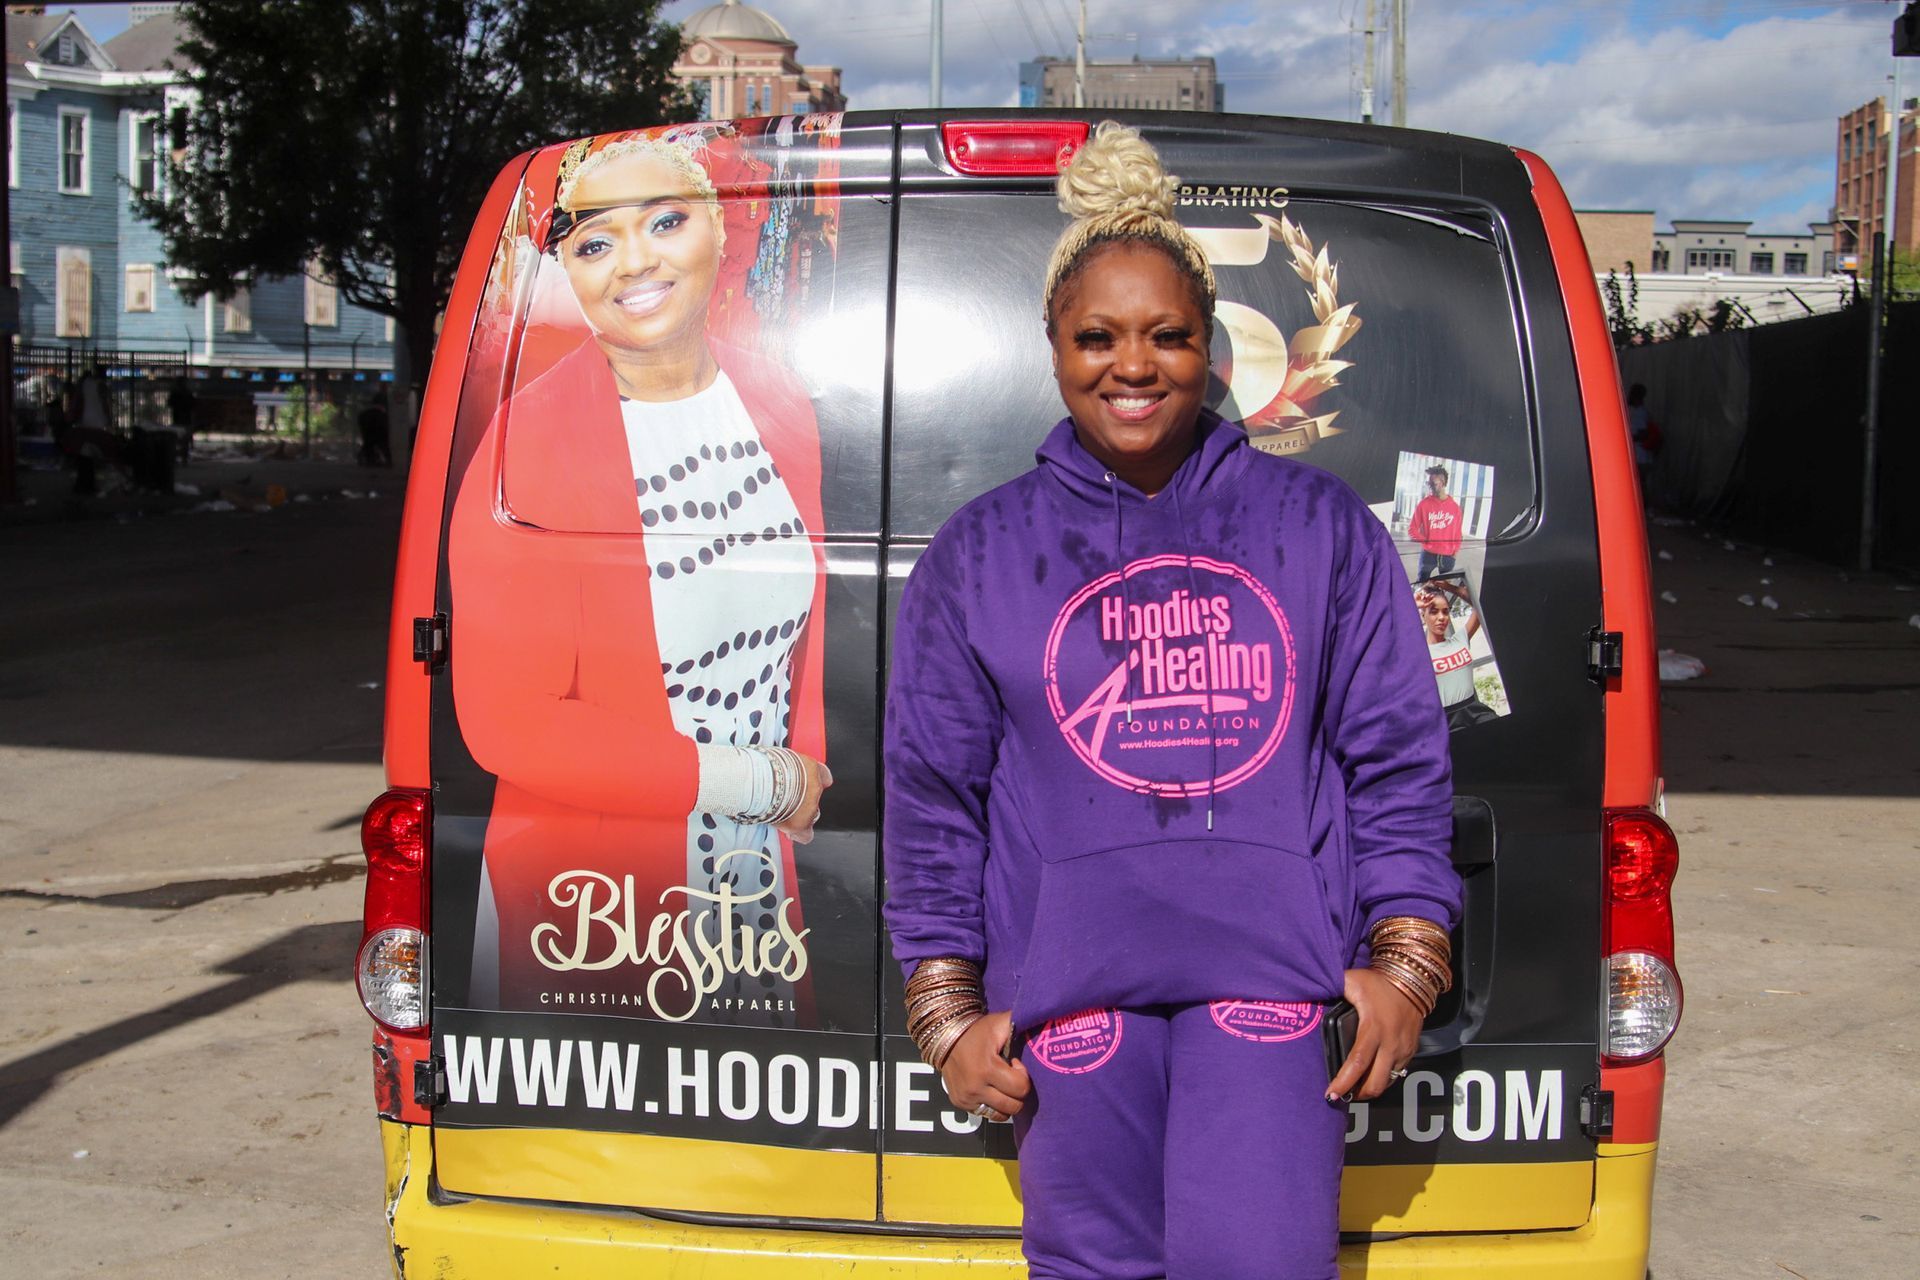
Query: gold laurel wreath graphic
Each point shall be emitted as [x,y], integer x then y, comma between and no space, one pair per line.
[1288,424]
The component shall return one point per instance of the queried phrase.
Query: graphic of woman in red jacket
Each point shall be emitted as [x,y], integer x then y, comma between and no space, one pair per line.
[638,589]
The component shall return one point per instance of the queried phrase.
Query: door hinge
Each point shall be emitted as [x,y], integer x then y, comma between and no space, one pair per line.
[430,641]
[1604,654]
[1596,1111]
[430,1082]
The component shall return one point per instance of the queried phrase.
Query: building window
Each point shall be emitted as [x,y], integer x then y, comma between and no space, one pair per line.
[237,313]
[143,159]
[13,144]
[64,51]
[1709,260]
[73,152]
[1662,261]
[1760,264]
[1795,264]
[72,293]
[323,299]
[1826,263]
[138,295]
[14,260]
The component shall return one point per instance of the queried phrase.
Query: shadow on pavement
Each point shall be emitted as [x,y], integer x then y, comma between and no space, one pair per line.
[316,952]
[191,893]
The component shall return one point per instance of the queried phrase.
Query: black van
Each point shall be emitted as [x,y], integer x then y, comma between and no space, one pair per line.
[703,394]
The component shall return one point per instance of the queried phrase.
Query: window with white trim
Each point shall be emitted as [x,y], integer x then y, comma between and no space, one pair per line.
[323,298]
[236,314]
[72,293]
[138,294]
[143,152]
[74,123]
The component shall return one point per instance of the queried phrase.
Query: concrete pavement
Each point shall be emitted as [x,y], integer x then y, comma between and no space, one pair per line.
[187,736]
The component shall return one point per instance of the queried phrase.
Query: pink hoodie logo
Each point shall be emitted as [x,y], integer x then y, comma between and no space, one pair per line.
[1140,667]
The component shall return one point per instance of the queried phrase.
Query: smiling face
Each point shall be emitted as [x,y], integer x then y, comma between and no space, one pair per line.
[1130,355]
[644,269]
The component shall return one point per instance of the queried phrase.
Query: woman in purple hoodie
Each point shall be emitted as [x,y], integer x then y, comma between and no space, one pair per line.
[1164,763]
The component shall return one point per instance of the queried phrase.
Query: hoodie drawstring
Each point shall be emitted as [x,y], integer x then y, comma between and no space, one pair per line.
[1126,597]
[1193,590]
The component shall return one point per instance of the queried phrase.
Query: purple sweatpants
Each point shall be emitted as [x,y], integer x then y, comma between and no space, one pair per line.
[1192,1142]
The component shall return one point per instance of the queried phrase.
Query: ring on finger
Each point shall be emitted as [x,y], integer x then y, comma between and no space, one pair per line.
[984,1109]
[1398,1073]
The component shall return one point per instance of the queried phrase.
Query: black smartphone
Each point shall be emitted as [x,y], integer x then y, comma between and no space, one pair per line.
[1339,1024]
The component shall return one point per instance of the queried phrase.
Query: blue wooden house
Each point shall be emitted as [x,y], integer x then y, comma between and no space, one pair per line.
[89,123]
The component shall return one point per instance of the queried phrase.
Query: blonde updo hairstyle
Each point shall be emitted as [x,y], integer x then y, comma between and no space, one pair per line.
[1117,193]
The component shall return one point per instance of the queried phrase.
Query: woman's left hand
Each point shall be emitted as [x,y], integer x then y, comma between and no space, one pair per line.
[1385,1041]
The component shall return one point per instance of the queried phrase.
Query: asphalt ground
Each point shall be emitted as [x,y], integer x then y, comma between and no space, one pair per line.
[189,728]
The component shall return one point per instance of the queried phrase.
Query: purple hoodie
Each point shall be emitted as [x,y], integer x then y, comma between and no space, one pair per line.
[1059,803]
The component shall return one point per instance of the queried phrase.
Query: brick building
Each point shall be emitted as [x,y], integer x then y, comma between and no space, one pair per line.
[1618,238]
[1860,175]
[746,64]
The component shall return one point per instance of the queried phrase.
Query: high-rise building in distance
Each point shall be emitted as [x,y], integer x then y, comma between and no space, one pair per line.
[1144,84]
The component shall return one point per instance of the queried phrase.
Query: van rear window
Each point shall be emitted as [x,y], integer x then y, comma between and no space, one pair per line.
[1347,335]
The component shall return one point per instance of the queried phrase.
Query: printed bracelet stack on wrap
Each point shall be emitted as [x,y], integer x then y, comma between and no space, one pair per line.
[944,998]
[1416,956]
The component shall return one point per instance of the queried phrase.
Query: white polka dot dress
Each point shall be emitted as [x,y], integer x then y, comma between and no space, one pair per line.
[731,574]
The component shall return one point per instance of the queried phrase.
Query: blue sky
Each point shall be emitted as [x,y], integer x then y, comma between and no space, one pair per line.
[1691,108]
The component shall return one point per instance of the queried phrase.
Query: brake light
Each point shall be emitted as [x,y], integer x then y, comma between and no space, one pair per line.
[1644,995]
[1642,856]
[391,968]
[1011,148]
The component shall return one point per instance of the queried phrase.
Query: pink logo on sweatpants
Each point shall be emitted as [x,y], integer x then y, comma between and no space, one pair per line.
[1079,1042]
[1266,1021]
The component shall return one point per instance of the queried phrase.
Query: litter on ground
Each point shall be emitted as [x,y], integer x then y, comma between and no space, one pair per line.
[1676,666]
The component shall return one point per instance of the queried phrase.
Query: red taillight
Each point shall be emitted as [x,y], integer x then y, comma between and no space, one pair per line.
[1642,856]
[394,836]
[391,968]
[1644,996]
[1011,148]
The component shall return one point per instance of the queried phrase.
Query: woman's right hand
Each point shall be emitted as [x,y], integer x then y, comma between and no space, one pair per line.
[977,1070]
[800,826]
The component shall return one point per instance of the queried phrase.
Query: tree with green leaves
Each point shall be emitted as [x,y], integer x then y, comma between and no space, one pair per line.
[357,138]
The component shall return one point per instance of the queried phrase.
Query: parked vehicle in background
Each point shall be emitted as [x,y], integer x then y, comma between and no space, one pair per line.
[615,1029]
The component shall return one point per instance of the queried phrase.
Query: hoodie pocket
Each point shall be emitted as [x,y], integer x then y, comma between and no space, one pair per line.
[1178,921]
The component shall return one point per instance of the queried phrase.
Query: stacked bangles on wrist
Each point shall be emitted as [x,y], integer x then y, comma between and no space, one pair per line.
[944,997]
[776,785]
[1416,956]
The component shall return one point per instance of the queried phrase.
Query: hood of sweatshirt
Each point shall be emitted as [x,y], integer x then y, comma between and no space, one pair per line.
[1218,457]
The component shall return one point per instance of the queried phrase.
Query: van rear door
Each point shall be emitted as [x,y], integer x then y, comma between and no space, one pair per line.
[635,1002]
[1387,307]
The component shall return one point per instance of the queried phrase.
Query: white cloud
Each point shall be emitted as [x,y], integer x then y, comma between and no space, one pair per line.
[1706,109]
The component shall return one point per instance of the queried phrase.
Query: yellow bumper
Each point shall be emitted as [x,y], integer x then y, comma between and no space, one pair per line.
[487,1239]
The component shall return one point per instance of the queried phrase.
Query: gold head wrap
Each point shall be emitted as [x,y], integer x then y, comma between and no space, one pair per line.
[1115,189]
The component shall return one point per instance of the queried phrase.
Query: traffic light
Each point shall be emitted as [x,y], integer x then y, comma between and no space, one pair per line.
[1906,33]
